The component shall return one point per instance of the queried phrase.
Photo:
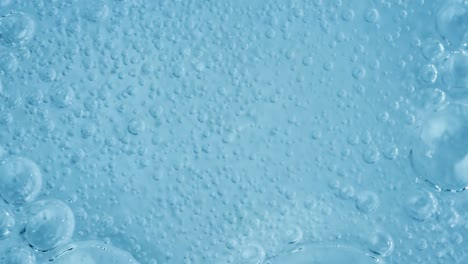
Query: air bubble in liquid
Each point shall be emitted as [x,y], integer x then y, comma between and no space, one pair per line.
[441,154]
[16,28]
[19,255]
[20,180]
[49,223]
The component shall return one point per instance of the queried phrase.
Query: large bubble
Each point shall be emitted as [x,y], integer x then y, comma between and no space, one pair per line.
[441,154]
[16,28]
[50,223]
[92,252]
[452,22]
[20,180]
[455,75]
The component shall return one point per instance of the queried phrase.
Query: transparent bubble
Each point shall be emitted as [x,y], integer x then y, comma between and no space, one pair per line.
[19,255]
[420,205]
[432,49]
[20,180]
[330,254]
[50,223]
[8,62]
[7,221]
[381,244]
[250,254]
[441,154]
[452,21]
[16,28]
[367,201]
[136,127]
[92,252]
[428,74]
[63,97]
[372,15]
[455,75]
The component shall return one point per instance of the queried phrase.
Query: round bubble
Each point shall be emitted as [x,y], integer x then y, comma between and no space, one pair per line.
[432,49]
[19,256]
[324,254]
[8,62]
[367,202]
[250,254]
[20,180]
[50,223]
[452,21]
[7,221]
[455,75]
[16,28]
[420,205]
[441,153]
[428,74]
[380,244]
[92,252]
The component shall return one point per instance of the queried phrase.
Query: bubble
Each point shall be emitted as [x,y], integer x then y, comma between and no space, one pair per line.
[390,152]
[428,74]
[347,15]
[371,155]
[452,22]
[367,202]
[19,255]
[16,28]
[63,97]
[136,126]
[431,99]
[92,252]
[7,221]
[381,244]
[330,254]
[97,11]
[251,254]
[8,62]
[292,235]
[50,223]
[432,49]
[455,75]
[371,15]
[20,180]
[441,154]
[420,205]
[359,73]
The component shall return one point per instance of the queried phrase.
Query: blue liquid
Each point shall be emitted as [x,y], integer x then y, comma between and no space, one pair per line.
[241,132]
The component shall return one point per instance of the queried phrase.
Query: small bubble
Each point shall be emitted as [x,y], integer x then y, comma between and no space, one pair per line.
[420,205]
[428,74]
[347,15]
[371,155]
[359,73]
[8,63]
[96,11]
[432,49]
[390,152]
[367,202]
[381,244]
[251,254]
[136,126]
[371,15]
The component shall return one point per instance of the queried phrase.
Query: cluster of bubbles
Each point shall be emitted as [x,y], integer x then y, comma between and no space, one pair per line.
[441,155]
[44,225]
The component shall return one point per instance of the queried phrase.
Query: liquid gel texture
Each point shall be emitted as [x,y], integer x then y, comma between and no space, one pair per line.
[233,132]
